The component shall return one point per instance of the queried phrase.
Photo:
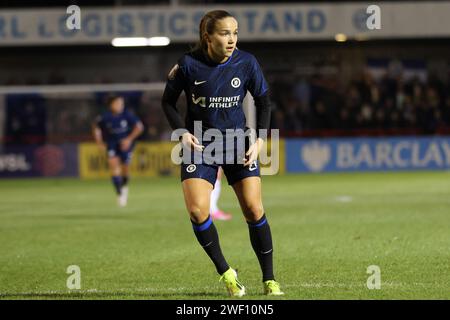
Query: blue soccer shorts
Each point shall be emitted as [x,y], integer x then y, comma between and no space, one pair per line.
[114,150]
[208,172]
[199,165]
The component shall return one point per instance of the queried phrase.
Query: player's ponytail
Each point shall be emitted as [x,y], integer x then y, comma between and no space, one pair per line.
[207,25]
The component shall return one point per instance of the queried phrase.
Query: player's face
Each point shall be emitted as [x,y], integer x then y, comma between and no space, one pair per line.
[222,42]
[117,105]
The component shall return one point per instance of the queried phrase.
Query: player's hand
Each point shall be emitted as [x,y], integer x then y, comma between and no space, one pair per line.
[125,144]
[253,152]
[190,141]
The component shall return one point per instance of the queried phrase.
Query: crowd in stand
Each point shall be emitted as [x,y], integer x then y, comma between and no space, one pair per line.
[364,104]
[316,104]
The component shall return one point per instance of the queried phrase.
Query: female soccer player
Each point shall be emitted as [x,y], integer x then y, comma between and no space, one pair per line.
[215,77]
[116,131]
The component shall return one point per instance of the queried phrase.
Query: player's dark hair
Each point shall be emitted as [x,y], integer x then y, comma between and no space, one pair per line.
[207,25]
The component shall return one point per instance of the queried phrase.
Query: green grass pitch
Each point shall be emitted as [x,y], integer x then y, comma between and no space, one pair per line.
[327,230]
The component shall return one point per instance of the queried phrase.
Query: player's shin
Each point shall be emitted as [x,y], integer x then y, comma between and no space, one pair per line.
[208,238]
[117,182]
[261,240]
[125,181]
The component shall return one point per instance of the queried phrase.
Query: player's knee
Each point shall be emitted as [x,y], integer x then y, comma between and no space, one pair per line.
[198,213]
[114,168]
[254,212]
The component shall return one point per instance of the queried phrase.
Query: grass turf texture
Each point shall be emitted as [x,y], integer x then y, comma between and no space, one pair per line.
[327,230]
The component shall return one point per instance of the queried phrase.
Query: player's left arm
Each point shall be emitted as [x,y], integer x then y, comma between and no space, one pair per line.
[263,109]
[259,89]
[137,130]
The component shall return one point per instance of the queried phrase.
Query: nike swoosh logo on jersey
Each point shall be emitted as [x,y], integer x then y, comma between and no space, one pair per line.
[198,82]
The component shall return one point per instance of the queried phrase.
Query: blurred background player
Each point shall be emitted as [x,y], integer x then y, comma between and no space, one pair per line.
[115,131]
[215,212]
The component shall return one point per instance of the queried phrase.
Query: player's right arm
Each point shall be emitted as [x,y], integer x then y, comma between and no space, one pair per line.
[176,82]
[97,133]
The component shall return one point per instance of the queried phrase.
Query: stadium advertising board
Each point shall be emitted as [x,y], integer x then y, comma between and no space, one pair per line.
[39,161]
[149,160]
[274,22]
[367,154]
[277,158]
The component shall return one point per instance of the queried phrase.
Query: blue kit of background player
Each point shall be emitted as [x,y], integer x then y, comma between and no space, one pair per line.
[116,130]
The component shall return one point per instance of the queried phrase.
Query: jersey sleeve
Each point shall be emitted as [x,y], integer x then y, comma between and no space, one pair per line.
[176,79]
[176,83]
[257,84]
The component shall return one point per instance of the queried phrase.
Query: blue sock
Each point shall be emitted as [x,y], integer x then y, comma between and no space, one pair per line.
[261,239]
[208,238]
[125,180]
[117,182]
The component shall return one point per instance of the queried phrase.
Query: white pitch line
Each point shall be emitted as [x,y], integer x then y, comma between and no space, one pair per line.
[344,199]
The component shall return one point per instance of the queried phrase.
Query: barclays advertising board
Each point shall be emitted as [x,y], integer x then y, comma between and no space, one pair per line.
[367,154]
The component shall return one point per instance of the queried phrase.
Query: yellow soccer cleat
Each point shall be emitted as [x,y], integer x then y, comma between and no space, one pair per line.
[272,288]
[234,287]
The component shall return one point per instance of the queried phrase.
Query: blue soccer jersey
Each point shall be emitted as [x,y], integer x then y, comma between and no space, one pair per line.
[116,127]
[215,92]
